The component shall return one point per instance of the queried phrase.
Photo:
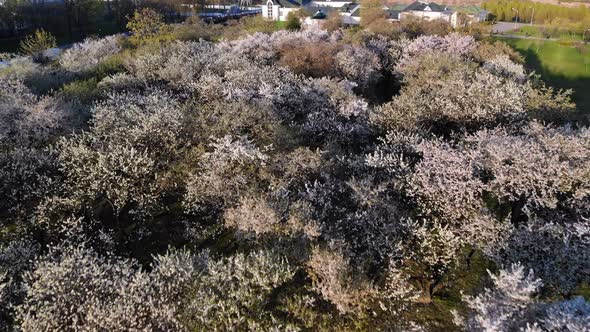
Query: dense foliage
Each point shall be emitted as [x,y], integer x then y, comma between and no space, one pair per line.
[576,17]
[295,180]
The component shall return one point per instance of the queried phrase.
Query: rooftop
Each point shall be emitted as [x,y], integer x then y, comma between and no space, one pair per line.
[421,6]
[292,3]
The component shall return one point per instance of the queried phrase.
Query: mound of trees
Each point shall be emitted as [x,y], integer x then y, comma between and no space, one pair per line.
[298,180]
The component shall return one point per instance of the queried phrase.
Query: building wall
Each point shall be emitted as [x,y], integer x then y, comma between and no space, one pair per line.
[455,19]
[351,20]
[270,11]
[427,15]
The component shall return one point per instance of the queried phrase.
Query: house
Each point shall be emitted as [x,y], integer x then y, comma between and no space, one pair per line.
[354,16]
[350,11]
[277,10]
[427,11]
[433,11]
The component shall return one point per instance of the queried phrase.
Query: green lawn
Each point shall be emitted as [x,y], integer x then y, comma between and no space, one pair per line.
[537,31]
[101,27]
[280,25]
[561,64]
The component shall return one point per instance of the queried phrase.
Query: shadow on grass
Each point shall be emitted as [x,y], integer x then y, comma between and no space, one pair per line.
[580,86]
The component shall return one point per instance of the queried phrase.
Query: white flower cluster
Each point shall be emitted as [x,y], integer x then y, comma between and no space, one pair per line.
[85,56]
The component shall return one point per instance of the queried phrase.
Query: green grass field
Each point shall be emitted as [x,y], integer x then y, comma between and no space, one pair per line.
[560,64]
[537,31]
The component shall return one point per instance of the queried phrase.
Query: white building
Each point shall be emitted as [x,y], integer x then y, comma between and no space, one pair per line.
[278,10]
[433,11]
[427,11]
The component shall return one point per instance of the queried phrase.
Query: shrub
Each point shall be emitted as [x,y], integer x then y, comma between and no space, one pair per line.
[252,215]
[486,51]
[233,168]
[532,170]
[504,306]
[238,118]
[39,78]
[151,121]
[535,169]
[109,66]
[333,22]
[15,259]
[502,66]
[445,94]
[118,162]
[36,44]
[510,305]
[194,30]
[87,56]
[84,90]
[373,16]
[29,121]
[179,63]
[310,59]
[250,25]
[337,282]
[146,26]
[235,293]
[76,288]
[24,180]
[116,174]
[415,27]
[359,65]
[453,45]
[292,22]
[562,272]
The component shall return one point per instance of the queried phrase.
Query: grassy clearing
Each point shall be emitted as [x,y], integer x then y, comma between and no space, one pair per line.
[548,32]
[280,25]
[562,64]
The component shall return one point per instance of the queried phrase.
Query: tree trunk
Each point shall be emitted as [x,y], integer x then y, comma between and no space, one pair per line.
[425,291]
[470,257]
[428,288]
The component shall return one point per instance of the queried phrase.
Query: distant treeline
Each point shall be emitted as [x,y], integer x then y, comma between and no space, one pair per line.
[75,19]
[538,13]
